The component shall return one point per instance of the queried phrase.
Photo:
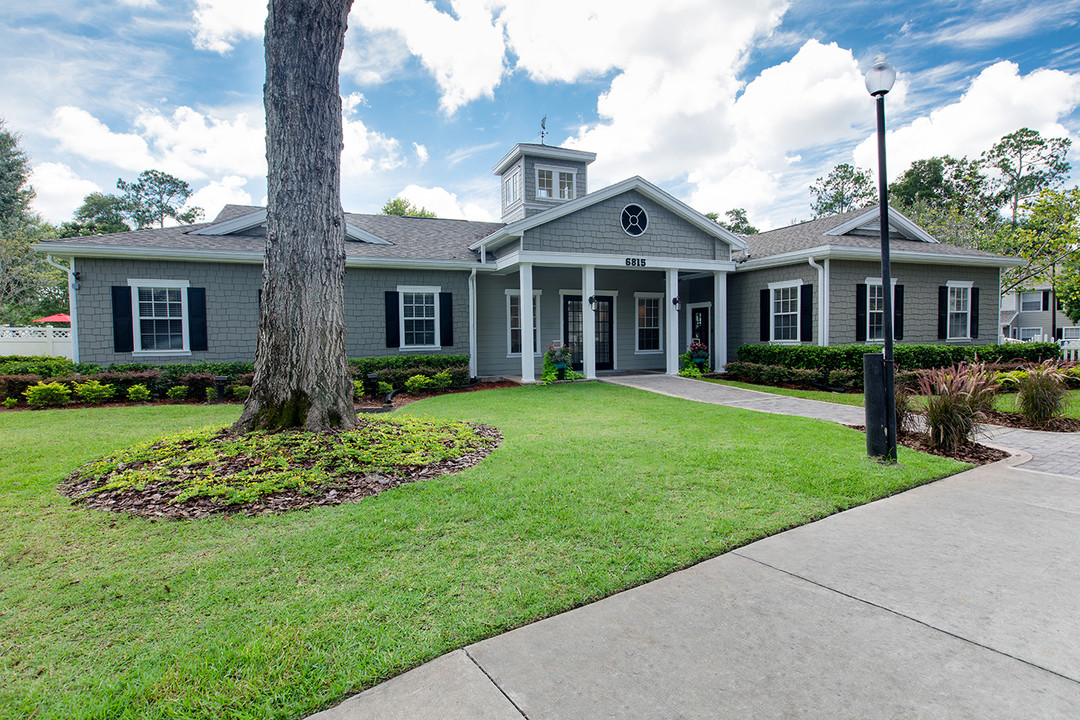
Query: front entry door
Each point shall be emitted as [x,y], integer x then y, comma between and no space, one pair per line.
[699,325]
[573,330]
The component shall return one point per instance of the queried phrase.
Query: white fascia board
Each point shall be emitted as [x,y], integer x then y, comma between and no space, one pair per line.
[254,219]
[897,220]
[543,151]
[674,205]
[417,264]
[850,253]
[562,259]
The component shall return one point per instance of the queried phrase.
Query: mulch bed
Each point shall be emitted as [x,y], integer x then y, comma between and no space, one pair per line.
[1016,420]
[154,500]
[969,452]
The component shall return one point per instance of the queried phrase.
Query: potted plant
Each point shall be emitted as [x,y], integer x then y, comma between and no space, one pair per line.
[560,356]
[699,352]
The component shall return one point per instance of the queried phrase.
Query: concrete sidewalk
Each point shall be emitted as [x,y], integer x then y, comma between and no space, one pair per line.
[959,599]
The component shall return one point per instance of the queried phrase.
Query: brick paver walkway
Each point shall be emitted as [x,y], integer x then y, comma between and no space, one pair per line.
[1057,453]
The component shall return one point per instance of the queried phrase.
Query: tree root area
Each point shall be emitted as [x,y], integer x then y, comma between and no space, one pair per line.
[156,500]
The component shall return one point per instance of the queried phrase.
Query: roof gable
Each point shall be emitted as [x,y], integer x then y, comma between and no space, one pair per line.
[257,217]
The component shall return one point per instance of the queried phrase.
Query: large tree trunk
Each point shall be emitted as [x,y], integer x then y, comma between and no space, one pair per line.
[301,375]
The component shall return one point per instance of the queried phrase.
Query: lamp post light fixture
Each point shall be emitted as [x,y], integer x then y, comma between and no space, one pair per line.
[879,370]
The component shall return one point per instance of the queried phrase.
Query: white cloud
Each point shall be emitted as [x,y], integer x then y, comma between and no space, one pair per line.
[999,101]
[220,24]
[444,203]
[81,133]
[215,195]
[196,145]
[366,150]
[421,153]
[59,190]
[463,51]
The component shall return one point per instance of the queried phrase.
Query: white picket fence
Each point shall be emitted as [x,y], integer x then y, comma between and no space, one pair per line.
[1070,350]
[46,340]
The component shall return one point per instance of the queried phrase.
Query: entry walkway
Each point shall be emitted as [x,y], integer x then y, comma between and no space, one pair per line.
[958,599]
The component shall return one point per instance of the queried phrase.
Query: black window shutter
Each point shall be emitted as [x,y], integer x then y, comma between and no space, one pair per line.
[123,336]
[860,312]
[974,312]
[764,303]
[1059,334]
[942,312]
[898,312]
[196,303]
[393,332]
[446,319]
[1045,300]
[806,313]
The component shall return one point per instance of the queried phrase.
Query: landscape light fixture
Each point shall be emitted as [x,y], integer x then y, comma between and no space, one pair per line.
[879,370]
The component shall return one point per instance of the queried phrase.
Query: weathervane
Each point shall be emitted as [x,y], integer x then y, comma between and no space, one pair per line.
[543,129]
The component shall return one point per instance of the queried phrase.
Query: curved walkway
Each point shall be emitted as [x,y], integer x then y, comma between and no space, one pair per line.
[957,599]
[1057,453]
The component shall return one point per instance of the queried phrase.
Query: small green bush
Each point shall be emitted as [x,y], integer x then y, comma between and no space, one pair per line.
[845,379]
[910,356]
[177,393]
[1041,393]
[211,394]
[241,392]
[419,383]
[10,402]
[385,389]
[48,394]
[358,388]
[94,392]
[443,379]
[138,393]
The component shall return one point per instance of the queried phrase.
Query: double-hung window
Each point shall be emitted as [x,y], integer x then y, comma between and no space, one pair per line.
[160,314]
[553,184]
[649,330]
[512,188]
[1031,302]
[513,322]
[419,317]
[1028,334]
[875,312]
[785,311]
[959,309]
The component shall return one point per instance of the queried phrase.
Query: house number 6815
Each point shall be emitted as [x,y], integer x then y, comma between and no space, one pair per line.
[635,262]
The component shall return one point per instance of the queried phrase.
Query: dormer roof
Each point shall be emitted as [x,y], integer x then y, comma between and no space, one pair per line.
[547,152]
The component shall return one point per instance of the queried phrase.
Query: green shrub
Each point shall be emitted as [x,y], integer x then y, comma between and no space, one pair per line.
[419,383]
[362,366]
[15,386]
[48,394]
[442,379]
[845,379]
[910,356]
[385,389]
[1041,393]
[954,397]
[138,393]
[358,388]
[905,408]
[10,402]
[211,394]
[241,392]
[177,393]
[773,374]
[397,377]
[94,392]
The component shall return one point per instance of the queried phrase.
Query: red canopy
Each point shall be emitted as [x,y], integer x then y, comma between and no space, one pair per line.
[58,317]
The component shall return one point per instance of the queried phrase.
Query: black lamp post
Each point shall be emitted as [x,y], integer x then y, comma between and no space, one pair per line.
[880,376]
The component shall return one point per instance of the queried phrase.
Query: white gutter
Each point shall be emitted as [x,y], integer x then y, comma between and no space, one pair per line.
[73,285]
[472,323]
[850,253]
[823,302]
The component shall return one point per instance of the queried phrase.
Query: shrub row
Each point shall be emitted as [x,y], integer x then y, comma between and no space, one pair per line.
[362,366]
[911,357]
[810,378]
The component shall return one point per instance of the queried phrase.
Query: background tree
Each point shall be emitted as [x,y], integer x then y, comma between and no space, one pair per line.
[401,206]
[846,188]
[1027,163]
[737,222]
[951,198]
[15,190]
[157,195]
[301,374]
[99,214]
[1049,239]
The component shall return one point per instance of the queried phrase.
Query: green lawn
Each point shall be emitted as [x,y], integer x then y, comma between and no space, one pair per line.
[596,488]
[1005,402]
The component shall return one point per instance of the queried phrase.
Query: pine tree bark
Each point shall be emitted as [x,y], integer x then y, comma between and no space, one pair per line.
[301,374]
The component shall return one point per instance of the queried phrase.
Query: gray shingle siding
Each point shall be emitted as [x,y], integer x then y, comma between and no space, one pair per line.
[598,229]
[744,309]
[533,204]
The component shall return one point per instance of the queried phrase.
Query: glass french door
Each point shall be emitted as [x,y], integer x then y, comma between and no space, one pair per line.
[574,330]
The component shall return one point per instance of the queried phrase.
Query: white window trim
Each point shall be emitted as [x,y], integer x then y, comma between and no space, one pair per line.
[1032,292]
[1020,333]
[876,281]
[537,351]
[969,284]
[1070,333]
[774,286]
[555,170]
[134,284]
[416,289]
[637,327]
[512,181]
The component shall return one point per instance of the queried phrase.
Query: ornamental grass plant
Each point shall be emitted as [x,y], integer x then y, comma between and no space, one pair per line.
[957,400]
[1041,392]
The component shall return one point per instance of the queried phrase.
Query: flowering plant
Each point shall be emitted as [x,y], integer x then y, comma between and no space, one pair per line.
[559,353]
[698,350]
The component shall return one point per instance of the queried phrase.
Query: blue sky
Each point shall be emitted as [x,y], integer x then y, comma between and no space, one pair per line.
[724,103]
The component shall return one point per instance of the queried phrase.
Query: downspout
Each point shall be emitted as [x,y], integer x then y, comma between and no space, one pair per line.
[823,301]
[472,323]
[73,285]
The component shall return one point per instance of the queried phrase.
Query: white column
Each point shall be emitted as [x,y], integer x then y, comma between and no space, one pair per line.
[719,348]
[472,324]
[588,321]
[671,322]
[528,363]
